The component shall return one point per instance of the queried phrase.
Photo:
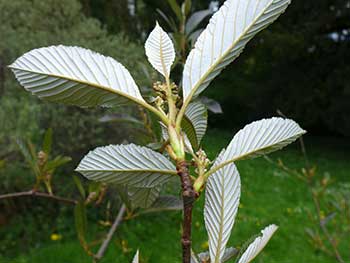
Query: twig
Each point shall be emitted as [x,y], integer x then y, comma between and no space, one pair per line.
[189,196]
[39,194]
[325,230]
[109,236]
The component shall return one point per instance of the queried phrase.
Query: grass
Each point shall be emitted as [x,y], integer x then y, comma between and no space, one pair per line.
[268,196]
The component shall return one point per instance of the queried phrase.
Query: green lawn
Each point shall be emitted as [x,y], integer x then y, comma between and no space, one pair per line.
[268,196]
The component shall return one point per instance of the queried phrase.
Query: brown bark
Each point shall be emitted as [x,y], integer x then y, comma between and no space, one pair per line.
[188,196]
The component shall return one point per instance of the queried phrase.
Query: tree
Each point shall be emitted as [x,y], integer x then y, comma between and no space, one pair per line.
[74,75]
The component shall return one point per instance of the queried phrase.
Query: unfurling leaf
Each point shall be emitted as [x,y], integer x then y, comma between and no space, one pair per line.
[160,51]
[229,30]
[221,204]
[258,244]
[130,165]
[76,76]
[261,137]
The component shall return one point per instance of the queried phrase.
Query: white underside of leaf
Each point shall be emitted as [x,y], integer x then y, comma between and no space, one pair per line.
[77,76]
[221,204]
[130,165]
[263,137]
[160,50]
[258,244]
[228,32]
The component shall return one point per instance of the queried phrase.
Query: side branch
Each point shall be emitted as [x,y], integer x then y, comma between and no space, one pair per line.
[110,234]
[39,194]
[188,196]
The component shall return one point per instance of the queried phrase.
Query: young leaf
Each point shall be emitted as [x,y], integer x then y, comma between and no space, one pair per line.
[160,51]
[221,204]
[229,254]
[47,141]
[195,122]
[261,137]
[136,258]
[77,76]
[176,8]
[258,244]
[130,165]
[229,30]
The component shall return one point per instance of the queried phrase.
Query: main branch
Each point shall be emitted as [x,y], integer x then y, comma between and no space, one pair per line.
[188,196]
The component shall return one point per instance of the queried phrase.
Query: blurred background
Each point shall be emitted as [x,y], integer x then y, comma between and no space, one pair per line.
[299,66]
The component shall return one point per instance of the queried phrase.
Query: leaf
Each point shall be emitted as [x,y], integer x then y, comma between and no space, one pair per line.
[80,220]
[221,204]
[195,122]
[229,30]
[130,165]
[229,254]
[136,258]
[176,8]
[143,197]
[77,76]
[80,186]
[195,19]
[160,51]
[186,7]
[165,203]
[57,162]
[47,141]
[261,137]
[258,244]
[212,105]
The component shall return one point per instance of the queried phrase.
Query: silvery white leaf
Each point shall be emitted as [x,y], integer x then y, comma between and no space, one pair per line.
[77,76]
[258,244]
[261,137]
[130,165]
[160,51]
[221,204]
[228,32]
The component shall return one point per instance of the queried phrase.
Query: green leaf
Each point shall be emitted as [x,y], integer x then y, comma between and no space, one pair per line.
[80,186]
[52,165]
[186,7]
[47,141]
[80,220]
[176,9]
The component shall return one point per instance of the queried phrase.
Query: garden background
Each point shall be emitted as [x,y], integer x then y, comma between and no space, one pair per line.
[299,66]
